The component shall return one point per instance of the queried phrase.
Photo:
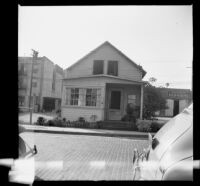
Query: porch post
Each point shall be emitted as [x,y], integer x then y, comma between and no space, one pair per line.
[141,101]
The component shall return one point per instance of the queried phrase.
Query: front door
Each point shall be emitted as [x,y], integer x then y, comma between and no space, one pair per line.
[115,104]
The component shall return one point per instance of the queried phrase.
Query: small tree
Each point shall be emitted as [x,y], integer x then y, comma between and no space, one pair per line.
[167,85]
[153,101]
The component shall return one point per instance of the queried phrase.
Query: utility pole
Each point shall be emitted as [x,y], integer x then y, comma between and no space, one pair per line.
[35,55]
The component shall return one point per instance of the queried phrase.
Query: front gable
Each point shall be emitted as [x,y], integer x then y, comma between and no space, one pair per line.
[106,52]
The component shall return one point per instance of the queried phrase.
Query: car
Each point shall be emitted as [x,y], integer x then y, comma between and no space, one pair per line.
[170,152]
[21,170]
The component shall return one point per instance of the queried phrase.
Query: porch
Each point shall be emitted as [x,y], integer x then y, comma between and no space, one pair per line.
[118,96]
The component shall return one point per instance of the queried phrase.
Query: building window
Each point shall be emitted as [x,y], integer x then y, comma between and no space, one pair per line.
[34,84]
[98,67]
[74,96]
[91,97]
[113,68]
[22,69]
[22,83]
[132,99]
[83,97]
[21,100]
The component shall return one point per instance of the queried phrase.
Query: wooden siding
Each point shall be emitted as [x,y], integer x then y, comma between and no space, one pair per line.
[102,83]
[106,53]
[73,114]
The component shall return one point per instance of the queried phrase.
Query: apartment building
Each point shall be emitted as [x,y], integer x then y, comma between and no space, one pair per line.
[46,84]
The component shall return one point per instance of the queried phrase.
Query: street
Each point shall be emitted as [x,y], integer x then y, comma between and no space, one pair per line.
[83,157]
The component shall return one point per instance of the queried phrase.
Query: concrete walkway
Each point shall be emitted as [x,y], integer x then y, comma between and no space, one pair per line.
[79,131]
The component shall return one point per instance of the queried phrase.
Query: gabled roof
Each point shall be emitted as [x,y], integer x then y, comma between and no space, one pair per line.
[108,43]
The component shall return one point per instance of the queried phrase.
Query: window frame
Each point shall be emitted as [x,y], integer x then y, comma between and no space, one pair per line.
[115,70]
[91,97]
[34,84]
[131,100]
[74,96]
[96,62]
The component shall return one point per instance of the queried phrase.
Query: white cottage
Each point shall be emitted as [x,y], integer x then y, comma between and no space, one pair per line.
[100,85]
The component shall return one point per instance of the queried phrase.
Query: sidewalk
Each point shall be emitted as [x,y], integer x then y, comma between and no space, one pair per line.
[94,132]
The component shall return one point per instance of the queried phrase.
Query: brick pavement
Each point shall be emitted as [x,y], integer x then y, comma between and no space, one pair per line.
[83,157]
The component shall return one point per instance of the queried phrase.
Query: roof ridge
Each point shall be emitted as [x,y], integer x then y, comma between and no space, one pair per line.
[107,42]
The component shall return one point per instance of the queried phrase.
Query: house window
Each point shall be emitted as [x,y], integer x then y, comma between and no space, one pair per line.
[98,67]
[74,96]
[132,99]
[113,68]
[21,100]
[91,97]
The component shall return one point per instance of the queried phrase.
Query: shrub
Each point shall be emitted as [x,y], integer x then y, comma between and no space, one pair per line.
[129,109]
[144,125]
[130,114]
[59,122]
[81,119]
[41,121]
[93,118]
[155,126]
[99,124]
[50,123]
[134,126]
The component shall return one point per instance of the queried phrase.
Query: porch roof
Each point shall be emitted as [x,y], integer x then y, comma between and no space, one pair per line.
[108,76]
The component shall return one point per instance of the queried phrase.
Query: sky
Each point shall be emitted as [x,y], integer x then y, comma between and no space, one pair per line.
[159,38]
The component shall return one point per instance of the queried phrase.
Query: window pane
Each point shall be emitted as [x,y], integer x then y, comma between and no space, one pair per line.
[98,67]
[74,96]
[113,68]
[91,97]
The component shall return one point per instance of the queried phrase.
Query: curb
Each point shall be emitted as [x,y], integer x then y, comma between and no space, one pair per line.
[143,136]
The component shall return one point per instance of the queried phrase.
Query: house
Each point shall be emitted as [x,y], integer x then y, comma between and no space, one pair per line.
[177,100]
[101,84]
[46,84]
